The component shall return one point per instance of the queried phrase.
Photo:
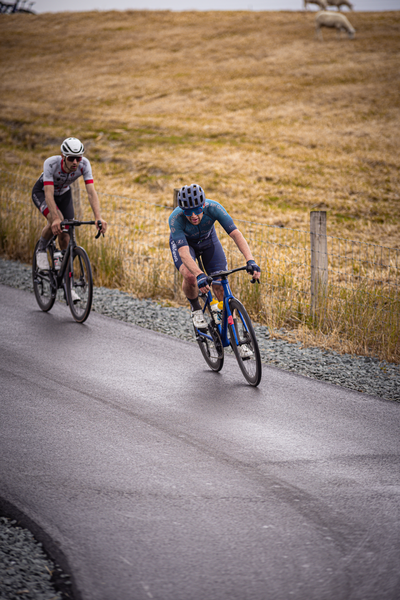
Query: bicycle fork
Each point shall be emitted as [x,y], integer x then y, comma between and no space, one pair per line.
[227,319]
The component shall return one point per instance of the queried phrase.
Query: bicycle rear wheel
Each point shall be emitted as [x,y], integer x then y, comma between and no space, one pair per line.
[211,349]
[246,350]
[43,285]
[79,284]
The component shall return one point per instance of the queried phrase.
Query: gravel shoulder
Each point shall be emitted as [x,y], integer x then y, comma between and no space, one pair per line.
[25,570]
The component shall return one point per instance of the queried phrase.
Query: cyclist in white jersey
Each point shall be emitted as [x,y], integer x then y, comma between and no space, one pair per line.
[52,194]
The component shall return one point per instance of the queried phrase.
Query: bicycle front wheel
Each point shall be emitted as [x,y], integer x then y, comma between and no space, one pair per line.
[211,349]
[244,345]
[79,284]
[43,285]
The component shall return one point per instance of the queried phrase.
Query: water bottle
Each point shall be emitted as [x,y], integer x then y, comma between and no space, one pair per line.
[57,256]
[216,308]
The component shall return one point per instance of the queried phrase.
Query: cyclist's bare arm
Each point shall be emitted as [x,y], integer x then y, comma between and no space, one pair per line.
[243,246]
[188,261]
[55,218]
[95,204]
[192,266]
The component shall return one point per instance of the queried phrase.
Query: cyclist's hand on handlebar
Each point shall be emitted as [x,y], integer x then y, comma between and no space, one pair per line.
[253,268]
[101,226]
[56,226]
[202,283]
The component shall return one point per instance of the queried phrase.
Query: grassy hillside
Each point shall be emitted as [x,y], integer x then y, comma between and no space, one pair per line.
[268,120]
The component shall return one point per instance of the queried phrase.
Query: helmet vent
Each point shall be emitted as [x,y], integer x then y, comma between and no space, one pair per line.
[191,196]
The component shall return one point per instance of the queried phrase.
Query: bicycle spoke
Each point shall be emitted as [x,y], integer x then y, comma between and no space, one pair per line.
[211,346]
[79,285]
[45,292]
[244,343]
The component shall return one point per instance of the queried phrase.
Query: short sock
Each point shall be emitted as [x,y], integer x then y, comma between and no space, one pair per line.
[195,304]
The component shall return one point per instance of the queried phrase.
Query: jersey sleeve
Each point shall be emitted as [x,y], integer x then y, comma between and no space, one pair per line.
[176,229]
[48,171]
[223,217]
[86,171]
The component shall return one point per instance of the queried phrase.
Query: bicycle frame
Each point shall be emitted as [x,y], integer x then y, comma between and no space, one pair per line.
[56,278]
[227,318]
[73,276]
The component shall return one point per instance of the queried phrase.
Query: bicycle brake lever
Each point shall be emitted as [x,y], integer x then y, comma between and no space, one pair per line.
[99,231]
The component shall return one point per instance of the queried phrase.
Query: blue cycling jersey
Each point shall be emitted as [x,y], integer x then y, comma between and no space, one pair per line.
[183,233]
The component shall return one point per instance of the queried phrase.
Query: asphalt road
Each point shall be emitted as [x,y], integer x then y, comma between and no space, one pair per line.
[159,479]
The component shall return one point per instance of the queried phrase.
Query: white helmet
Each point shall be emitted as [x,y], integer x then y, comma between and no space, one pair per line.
[191,196]
[72,147]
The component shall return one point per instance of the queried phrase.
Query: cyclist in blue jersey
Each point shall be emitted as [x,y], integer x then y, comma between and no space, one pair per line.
[193,235]
[51,194]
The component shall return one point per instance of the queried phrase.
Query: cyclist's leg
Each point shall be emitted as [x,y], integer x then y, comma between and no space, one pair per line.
[46,234]
[41,260]
[65,209]
[189,286]
[42,283]
[214,261]
[39,201]
[189,283]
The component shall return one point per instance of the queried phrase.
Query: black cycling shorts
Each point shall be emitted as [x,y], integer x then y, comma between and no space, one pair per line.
[211,253]
[64,202]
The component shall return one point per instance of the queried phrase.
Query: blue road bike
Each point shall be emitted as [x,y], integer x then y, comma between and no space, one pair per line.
[231,327]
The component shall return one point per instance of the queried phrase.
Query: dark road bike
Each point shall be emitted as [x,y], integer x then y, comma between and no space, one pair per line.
[73,275]
[231,327]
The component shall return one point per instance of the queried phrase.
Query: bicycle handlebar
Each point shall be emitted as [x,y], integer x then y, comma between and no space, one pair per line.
[224,274]
[75,223]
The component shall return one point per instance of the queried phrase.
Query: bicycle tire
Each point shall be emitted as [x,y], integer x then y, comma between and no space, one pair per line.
[250,365]
[212,351]
[79,280]
[42,285]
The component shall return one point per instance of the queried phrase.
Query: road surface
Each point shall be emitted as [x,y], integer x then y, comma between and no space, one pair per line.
[156,478]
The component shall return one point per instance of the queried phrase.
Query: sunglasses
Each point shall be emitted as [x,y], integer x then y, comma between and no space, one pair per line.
[190,211]
[72,158]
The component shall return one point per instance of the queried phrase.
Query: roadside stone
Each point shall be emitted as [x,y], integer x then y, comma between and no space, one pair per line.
[25,570]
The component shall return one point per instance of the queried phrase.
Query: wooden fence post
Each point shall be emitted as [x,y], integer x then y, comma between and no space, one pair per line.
[76,200]
[319,259]
[176,280]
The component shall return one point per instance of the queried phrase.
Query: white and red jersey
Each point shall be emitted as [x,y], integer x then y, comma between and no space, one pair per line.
[54,174]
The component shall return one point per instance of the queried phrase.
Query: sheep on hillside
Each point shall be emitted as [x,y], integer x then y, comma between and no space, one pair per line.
[323,4]
[333,19]
[340,3]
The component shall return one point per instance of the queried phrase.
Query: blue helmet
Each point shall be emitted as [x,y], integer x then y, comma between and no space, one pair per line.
[191,196]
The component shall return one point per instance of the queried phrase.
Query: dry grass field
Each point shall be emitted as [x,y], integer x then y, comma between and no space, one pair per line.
[270,121]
